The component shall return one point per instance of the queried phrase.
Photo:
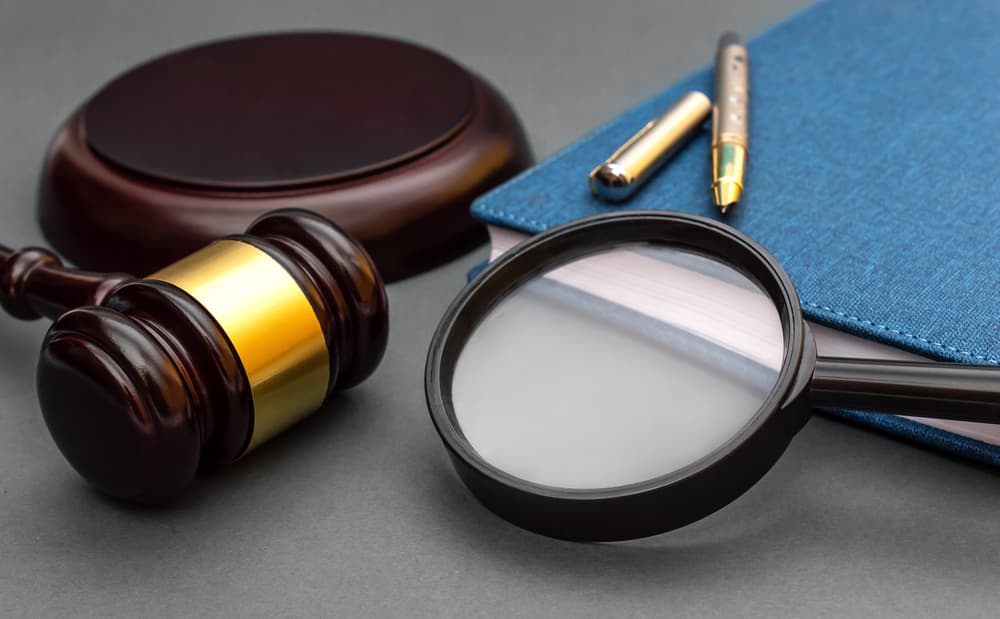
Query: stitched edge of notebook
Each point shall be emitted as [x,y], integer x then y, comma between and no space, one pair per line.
[906,339]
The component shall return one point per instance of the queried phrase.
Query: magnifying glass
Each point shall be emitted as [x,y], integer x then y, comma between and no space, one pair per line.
[627,374]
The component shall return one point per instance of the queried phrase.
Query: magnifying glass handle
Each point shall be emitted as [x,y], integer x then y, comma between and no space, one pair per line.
[934,390]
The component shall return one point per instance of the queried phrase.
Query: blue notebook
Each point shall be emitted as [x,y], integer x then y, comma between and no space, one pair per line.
[873,178]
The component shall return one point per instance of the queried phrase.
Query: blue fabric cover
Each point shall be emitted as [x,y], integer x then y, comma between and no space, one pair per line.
[873,176]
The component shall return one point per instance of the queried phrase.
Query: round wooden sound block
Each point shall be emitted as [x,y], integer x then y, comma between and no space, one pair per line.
[390,140]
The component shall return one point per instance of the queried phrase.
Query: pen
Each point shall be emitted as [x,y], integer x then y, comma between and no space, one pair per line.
[730,120]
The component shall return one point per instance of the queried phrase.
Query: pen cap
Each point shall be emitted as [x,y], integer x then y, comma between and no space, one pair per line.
[638,159]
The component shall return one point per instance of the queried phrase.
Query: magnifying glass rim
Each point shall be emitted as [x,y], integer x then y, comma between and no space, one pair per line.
[573,241]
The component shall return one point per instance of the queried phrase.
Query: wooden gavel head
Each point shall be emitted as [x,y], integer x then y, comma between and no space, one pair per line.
[142,382]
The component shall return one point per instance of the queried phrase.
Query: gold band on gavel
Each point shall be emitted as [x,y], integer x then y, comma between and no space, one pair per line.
[270,323]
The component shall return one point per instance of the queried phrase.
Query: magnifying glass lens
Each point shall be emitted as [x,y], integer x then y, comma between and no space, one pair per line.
[623,366]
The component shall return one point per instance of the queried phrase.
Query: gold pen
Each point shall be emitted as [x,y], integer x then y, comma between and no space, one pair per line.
[730,121]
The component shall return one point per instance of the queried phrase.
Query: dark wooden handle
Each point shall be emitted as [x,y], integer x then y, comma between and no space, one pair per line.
[34,283]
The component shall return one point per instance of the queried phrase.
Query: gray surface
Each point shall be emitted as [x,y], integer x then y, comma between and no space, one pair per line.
[357,512]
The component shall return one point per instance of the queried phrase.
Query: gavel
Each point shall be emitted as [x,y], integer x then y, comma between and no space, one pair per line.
[144,382]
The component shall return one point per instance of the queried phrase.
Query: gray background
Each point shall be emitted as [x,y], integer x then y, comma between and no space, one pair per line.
[357,512]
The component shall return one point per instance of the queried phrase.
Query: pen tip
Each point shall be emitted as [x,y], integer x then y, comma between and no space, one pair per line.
[726,194]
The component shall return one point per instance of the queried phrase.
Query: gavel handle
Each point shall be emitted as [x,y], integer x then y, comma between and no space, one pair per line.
[34,283]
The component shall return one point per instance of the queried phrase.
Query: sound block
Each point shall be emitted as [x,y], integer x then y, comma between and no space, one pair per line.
[388,139]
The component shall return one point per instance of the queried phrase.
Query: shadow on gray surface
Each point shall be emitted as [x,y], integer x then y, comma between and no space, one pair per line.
[21,342]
